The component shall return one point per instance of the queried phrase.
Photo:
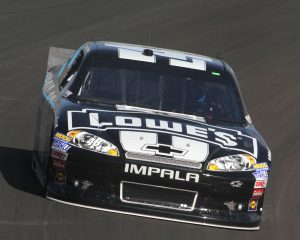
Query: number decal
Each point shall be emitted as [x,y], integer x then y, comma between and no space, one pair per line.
[195,64]
[177,59]
[135,55]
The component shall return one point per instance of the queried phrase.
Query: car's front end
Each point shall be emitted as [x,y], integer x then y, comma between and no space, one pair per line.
[196,178]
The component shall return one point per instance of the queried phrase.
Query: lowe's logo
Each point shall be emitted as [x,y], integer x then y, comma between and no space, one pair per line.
[102,120]
[161,172]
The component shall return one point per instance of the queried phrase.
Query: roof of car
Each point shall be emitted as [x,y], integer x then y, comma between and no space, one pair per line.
[211,64]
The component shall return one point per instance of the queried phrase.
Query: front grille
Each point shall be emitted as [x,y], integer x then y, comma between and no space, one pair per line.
[164,160]
[158,196]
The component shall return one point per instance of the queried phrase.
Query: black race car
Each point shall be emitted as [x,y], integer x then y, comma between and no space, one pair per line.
[150,132]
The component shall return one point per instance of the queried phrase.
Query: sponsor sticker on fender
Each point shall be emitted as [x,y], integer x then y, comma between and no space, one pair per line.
[59,163]
[261,183]
[63,137]
[261,166]
[261,175]
[60,145]
[57,154]
[258,192]
[252,206]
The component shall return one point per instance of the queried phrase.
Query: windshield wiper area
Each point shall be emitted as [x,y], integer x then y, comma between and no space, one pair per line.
[223,121]
[160,112]
[95,101]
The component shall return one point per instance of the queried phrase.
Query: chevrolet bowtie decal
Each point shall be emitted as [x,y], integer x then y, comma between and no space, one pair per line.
[161,149]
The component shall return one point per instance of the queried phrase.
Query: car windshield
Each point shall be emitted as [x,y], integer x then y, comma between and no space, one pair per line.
[166,88]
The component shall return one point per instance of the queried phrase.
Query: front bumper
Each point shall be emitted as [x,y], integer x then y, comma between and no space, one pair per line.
[112,203]
[96,184]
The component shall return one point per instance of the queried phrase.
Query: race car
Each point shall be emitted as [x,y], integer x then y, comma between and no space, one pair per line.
[149,132]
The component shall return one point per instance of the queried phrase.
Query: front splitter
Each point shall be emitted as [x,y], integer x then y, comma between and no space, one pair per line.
[63,200]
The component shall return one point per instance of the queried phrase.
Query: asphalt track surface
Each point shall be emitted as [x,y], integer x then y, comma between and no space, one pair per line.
[259,39]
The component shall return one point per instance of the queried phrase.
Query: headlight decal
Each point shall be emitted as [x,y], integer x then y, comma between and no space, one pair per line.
[93,143]
[239,162]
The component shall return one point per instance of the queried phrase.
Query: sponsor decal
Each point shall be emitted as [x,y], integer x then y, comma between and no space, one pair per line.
[63,137]
[165,150]
[126,120]
[67,93]
[269,155]
[231,205]
[59,163]
[60,145]
[261,183]
[252,206]
[260,175]
[57,154]
[86,184]
[261,166]
[248,119]
[162,173]
[236,184]
[60,177]
[258,192]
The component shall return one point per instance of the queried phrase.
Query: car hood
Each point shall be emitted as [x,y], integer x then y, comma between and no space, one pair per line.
[160,134]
